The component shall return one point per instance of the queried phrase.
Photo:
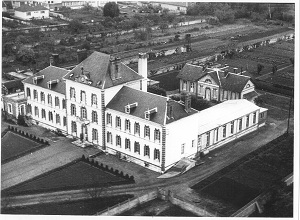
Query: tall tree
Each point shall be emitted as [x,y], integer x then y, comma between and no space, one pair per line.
[111,9]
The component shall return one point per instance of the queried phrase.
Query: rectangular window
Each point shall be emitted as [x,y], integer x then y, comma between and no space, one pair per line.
[108,119]
[118,140]
[193,142]
[240,124]
[28,13]
[73,127]
[262,115]
[147,132]
[156,134]
[42,96]
[137,147]
[184,85]
[83,113]
[217,134]
[49,99]
[94,117]
[43,113]
[64,121]
[127,143]
[254,117]
[28,92]
[64,104]
[94,134]
[72,92]
[73,109]
[35,95]
[207,138]
[57,101]
[94,99]
[109,137]
[50,116]
[232,127]
[29,108]
[9,108]
[137,128]
[192,87]
[118,122]
[82,96]
[224,131]
[127,125]
[36,111]
[215,93]
[182,148]
[146,151]
[247,121]
[57,119]
[156,154]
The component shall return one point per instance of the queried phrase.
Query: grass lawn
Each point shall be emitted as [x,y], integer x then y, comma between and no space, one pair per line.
[277,101]
[82,207]
[73,176]
[14,145]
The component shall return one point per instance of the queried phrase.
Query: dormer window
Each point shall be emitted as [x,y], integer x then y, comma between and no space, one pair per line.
[130,106]
[36,78]
[51,83]
[149,113]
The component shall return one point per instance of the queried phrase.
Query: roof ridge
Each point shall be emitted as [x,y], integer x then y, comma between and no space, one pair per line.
[146,92]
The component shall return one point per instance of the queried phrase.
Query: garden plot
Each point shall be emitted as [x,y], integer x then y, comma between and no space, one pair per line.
[81,207]
[285,45]
[14,145]
[76,175]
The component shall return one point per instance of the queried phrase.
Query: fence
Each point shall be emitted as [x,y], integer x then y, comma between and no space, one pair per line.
[129,204]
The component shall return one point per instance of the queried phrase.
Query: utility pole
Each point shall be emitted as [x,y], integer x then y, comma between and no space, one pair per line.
[288,125]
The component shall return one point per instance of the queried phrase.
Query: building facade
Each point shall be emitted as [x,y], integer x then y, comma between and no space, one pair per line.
[46,100]
[28,12]
[14,104]
[215,83]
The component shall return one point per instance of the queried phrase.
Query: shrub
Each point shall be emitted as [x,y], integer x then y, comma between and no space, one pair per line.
[106,167]
[127,176]
[116,172]
[111,170]
[96,163]
[83,157]
[131,178]
[121,174]
[101,165]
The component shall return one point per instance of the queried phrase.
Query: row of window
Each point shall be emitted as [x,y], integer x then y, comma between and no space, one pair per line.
[83,113]
[83,96]
[136,129]
[49,98]
[43,115]
[95,135]
[240,127]
[136,146]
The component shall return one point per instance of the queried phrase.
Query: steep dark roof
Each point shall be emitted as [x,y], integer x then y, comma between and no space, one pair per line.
[97,66]
[191,72]
[233,82]
[17,84]
[27,8]
[147,101]
[50,73]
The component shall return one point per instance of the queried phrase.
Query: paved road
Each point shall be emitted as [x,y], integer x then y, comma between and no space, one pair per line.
[215,161]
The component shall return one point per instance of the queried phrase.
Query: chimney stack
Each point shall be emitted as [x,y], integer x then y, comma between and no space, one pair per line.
[170,110]
[51,60]
[143,70]
[114,68]
[188,102]
[235,70]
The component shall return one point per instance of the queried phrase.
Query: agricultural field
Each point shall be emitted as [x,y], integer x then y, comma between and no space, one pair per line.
[227,191]
[81,207]
[76,175]
[14,145]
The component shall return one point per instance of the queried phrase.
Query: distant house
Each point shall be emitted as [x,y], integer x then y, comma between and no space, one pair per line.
[178,7]
[12,86]
[28,12]
[74,4]
[14,104]
[215,83]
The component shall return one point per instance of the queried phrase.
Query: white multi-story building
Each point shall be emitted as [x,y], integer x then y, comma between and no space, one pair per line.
[90,86]
[46,102]
[104,102]
[147,128]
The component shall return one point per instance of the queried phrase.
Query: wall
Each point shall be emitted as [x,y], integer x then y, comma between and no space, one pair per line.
[34,14]
[177,134]
[131,203]
[44,105]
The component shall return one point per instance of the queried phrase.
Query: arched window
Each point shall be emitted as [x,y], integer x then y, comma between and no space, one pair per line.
[94,116]
[95,134]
